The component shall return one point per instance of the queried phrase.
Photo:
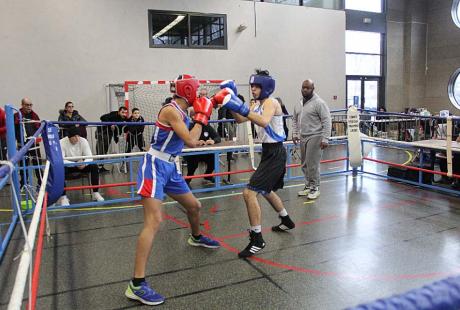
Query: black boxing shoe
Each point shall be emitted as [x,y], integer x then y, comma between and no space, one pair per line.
[256,243]
[286,224]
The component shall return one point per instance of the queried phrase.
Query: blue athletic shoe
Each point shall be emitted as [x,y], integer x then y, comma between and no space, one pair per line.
[204,242]
[144,293]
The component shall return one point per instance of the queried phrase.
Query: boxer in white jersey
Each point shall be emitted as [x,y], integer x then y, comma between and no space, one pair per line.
[267,115]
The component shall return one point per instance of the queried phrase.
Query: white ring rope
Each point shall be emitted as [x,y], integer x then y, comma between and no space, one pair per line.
[251,145]
[187,150]
[26,257]
[419,144]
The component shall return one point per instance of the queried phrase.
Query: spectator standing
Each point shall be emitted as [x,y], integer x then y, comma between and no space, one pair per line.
[29,125]
[104,134]
[135,133]
[312,128]
[209,136]
[68,114]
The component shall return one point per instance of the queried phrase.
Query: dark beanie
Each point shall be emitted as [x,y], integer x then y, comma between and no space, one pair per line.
[72,132]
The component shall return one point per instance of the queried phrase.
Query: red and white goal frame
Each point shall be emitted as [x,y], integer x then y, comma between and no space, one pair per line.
[149,96]
[128,85]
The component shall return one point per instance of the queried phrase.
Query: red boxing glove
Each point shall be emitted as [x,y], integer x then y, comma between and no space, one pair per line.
[203,110]
[220,95]
[214,102]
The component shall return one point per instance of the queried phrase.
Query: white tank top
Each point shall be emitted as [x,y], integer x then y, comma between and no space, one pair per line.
[274,132]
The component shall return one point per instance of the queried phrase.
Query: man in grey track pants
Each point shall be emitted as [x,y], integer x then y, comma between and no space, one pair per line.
[312,127]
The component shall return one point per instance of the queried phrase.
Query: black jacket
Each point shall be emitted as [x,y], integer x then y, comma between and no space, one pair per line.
[76,117]
[112,117]
[135,129]
[208,133]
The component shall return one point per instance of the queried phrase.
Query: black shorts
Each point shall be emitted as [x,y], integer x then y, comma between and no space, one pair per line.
[269,176]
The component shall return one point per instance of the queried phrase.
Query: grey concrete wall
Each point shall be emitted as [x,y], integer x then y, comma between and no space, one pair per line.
[59,50]
[418,69]
[415,52]
[406,54]
[443,55]
[395,90]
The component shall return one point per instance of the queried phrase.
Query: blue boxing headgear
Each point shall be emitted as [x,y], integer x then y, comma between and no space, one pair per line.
[266,82]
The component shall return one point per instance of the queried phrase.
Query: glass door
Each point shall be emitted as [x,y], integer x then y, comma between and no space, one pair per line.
[363,92]
[371,94]
[354,92]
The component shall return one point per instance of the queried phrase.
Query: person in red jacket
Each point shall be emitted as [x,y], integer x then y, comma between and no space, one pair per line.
[29,125]
[2,134]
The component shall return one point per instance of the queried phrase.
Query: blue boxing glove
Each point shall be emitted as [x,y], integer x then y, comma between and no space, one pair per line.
[229,84]
[235,104]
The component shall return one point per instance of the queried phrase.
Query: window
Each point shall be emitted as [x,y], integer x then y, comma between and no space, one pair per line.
[359,64]
[364,5]
[187,30]
[456,12]
[325,4]
[362,42]
[363,53]
[454,89]
[294,2]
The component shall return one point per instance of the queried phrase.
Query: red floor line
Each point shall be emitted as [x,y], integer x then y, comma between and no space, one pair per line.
[115,192]
[267,229]
[214,208]
[316,272]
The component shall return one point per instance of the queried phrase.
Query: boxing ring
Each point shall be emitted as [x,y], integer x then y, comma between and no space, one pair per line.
[39,208]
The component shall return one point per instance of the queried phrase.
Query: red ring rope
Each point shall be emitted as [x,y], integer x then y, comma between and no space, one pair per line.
[38,256]
[198,176]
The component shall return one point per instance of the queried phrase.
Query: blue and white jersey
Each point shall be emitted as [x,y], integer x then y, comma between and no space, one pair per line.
[274,132]
[164,138]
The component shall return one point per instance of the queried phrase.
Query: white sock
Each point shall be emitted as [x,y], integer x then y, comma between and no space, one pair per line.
[283,212]
[257,228]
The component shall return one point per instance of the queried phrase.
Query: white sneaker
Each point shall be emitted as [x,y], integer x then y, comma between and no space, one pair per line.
[304,192]
[64,201]
[97,197]
[314,193]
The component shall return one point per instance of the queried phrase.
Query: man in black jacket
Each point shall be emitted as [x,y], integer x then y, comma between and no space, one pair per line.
[104,134]
[135,133]
[209,136]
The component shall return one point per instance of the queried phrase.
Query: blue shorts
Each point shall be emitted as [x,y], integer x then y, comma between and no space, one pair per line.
[156,177]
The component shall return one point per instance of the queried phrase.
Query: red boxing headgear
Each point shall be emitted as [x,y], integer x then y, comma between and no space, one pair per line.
[186,86]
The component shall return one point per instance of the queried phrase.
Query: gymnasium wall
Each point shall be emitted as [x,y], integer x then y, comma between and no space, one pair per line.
[58,50]
[443,55]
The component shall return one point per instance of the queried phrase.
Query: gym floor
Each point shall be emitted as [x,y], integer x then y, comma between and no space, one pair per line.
[363,239]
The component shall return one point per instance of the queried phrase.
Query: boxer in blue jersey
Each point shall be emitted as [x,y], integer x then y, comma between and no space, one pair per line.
[159,174]
[267,116]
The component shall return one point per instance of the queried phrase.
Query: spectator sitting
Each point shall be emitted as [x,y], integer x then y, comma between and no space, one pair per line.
[74,145]
[381,126]
[209,136]
[135,133]
[104,134]
[31,123]
[71,115]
